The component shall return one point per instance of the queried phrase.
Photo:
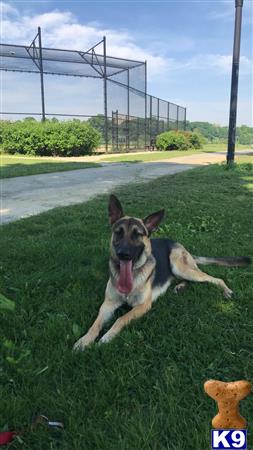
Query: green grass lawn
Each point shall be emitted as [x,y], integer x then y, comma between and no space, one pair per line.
[144,390]
[160,155]
[223,147]
[149,156]
[18,166]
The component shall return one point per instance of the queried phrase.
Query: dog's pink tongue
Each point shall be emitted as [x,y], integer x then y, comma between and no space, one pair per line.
[125,283]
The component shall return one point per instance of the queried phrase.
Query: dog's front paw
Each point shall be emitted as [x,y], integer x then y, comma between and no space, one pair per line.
[81,344]
[106,338]
[228,293]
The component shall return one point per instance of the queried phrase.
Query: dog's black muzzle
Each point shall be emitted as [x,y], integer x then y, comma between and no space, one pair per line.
[124,254]
[127,253]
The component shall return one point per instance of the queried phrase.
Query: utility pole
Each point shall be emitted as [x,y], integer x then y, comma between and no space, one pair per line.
[105,96]
[234,82]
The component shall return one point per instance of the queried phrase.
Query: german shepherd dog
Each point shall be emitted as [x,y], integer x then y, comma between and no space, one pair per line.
[141,269]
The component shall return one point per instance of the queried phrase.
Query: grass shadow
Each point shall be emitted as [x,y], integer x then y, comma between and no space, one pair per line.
[135,161]
[30,168]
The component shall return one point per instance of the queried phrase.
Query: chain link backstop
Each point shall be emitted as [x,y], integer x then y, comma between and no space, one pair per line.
[115,99]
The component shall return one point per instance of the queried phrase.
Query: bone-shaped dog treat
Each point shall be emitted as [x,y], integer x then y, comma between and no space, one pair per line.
[228,396]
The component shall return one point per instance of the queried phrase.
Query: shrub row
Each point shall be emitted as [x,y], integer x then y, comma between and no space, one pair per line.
[179,140]
[49,138]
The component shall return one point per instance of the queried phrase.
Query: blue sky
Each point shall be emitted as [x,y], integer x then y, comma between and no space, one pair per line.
[187,44]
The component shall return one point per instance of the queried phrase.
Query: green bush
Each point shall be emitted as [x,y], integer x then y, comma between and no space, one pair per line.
[50,138]
[178,140]
[3,125]
[196,139]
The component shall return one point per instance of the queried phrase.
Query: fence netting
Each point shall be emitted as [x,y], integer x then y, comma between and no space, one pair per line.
[108,92]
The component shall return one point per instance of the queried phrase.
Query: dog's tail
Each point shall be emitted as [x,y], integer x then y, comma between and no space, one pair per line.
[230,261]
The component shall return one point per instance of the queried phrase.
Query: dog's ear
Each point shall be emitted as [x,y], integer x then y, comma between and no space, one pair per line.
[114,209]
[152,221]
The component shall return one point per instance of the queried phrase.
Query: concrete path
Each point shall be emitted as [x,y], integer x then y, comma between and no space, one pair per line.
[26,196]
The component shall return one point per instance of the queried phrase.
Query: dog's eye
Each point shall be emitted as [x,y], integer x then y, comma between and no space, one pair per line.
[118,233]
[136,234]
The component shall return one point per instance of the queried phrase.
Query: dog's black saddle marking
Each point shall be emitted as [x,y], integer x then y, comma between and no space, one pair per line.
[161,249]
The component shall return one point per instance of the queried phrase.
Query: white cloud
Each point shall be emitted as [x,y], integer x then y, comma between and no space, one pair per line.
[62,30]
[220,64]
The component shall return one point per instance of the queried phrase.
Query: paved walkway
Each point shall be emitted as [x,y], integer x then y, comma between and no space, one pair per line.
[26,196]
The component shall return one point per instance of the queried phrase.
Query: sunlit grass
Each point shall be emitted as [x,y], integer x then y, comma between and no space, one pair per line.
[161,155]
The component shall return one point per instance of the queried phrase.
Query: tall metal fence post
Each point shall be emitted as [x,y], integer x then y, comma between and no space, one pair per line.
[145,126]
[105,96]
[185,119]
[41,77]
[177,116]
[128,110]
[234,82]
[168,116]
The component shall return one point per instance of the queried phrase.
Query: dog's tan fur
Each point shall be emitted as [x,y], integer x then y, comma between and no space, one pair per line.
[185,267]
